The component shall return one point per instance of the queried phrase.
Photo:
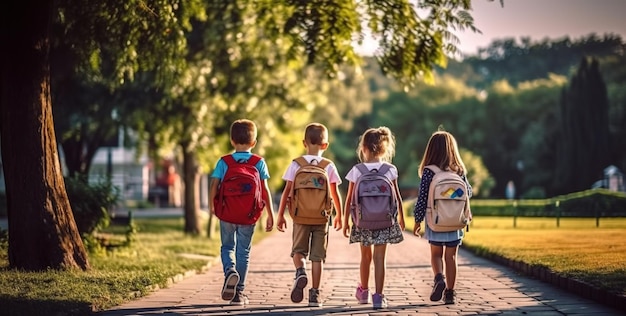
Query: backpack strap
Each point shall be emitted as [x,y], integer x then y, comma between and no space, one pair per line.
[362,168]
[230,160]
[323,162]
[254,159]
[301,161]
[384,168]
[433,168]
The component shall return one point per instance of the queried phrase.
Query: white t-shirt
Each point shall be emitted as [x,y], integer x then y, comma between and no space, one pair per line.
[333,175]
[355,173]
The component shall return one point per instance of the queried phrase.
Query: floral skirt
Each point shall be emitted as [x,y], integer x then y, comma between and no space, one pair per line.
[390,235]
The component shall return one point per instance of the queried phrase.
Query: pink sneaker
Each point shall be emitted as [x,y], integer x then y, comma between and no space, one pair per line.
[362,295]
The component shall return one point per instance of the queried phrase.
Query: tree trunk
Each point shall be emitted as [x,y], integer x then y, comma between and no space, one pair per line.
[42,231]
[191,204]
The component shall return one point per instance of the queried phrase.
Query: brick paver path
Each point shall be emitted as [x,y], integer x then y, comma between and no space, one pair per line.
[483,287]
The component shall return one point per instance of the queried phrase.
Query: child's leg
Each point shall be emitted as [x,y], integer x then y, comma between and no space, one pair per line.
[436,261]
[364,268]
[298,260]
[380,266]
[227,250]
[316,270]
[242,253]
[451,266]
[319,245]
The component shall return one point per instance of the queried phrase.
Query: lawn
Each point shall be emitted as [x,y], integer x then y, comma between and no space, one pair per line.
[576,249]
[159,253]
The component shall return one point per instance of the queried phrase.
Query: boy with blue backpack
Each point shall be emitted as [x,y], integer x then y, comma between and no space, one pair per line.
[238,195]
[375,206]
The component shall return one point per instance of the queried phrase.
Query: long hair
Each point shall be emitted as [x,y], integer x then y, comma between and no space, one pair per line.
[442,151]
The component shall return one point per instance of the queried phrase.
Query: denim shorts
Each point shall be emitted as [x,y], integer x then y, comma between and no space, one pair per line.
[453,243]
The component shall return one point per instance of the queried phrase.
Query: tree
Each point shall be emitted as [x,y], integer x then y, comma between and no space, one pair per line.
[42,230]
[138,34]
[583,148]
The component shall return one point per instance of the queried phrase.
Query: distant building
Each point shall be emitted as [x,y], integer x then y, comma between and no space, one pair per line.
[613,180]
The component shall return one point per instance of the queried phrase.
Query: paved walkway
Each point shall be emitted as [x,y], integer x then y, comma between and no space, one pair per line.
[483,287]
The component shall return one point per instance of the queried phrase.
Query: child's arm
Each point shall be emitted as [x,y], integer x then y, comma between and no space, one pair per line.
[400,206]
[334,191]
[269,206]
[347,210]
[212,193]
[281,224]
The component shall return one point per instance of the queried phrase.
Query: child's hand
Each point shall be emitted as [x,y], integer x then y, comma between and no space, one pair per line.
[402,226]
[281,225]
[269,224]
[337,223]
[346,231]
[417,228]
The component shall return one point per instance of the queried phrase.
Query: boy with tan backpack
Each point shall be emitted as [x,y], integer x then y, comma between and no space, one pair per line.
[310,193]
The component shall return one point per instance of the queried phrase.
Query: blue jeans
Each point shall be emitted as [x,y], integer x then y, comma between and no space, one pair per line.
[235,250]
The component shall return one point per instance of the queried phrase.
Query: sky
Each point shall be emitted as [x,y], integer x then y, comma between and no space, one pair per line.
[539,19]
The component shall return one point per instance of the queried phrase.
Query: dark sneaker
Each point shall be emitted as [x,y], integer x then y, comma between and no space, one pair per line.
[299,283]
[230,285]
[449,296]
[240,299]
[440,285]
[314,298]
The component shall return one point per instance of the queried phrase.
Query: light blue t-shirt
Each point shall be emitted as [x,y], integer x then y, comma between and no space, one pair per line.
[221,167]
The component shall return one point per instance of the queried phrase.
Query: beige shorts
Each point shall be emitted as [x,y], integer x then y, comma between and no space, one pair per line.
[310,238]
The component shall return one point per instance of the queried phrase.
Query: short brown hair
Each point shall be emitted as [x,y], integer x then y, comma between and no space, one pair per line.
[316,134]
[243,132]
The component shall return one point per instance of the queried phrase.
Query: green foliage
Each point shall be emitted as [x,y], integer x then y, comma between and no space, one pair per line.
[91,203]
[583,147]
[531,60]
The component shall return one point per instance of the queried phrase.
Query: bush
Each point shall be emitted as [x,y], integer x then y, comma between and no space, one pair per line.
[589,203]
[91,203]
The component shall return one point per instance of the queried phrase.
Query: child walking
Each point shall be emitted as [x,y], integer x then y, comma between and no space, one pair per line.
[236,238]
[310,239]
[376,147]
[442,152]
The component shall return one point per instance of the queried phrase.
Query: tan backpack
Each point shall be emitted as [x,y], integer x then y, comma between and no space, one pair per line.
[448,207]
[310,202]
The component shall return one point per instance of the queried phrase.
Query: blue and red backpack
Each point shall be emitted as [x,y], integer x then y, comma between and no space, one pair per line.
[239,198]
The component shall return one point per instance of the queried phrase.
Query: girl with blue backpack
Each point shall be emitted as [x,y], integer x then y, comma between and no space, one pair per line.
[375,206]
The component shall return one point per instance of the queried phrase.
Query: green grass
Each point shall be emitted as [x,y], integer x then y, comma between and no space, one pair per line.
[116,276]
[576,249]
